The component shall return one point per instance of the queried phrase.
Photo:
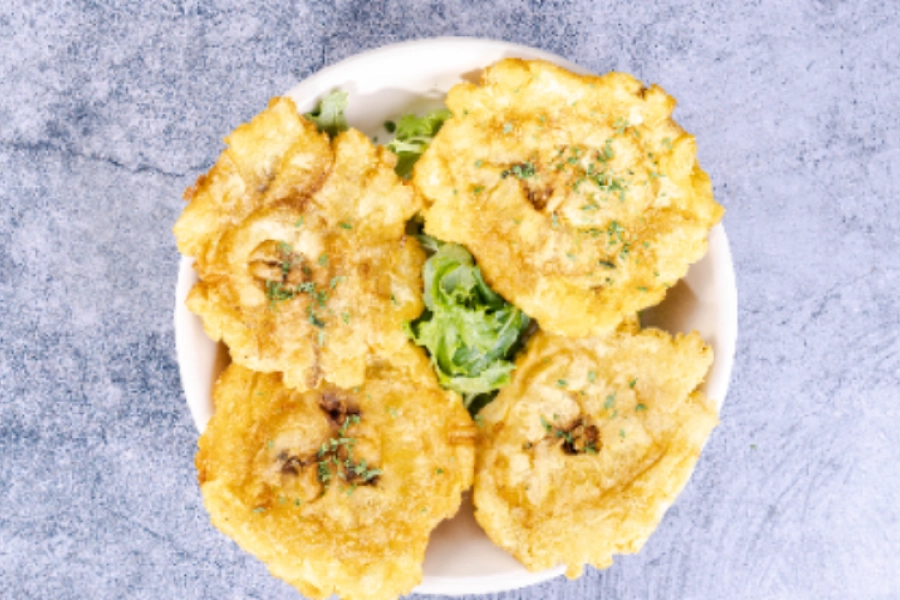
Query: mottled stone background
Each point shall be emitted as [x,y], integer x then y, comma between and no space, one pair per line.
[109,109]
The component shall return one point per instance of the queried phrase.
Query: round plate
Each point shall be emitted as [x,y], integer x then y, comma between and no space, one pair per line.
[414,77]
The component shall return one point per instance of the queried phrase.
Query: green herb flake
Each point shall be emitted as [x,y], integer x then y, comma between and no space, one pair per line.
[632,383]
[345,317]
[622,433]
[621,125]
[390,126]
[523,170]
[478,163]
[640,407]
[439,471]
[323,260]
[554,221]
[591,376]
[546,425]
[507,127]
[346,226]
[259,510]
[478,189]
[610,401]
[562,382]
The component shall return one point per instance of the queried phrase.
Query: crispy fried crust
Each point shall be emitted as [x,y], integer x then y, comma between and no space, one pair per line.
[395,456]
[579,196]
[300,248]
[581,455]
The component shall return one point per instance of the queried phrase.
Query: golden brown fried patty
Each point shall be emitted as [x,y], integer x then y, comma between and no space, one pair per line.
[337,490]
[580,456]
[300,248]
[580,198]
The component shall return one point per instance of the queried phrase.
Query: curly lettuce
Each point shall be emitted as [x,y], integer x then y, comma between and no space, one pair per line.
[469,330]
[329,114]
[412,136]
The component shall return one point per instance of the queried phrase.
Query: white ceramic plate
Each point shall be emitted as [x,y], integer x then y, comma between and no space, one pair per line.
[414,77]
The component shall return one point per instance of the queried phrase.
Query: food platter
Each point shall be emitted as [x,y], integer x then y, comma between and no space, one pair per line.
[414,77]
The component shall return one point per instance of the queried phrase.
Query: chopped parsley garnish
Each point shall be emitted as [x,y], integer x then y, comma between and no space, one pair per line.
[610,401]
[346,226]
[621,125]
[335,458]
[314,319]
[640,407]
[547,426]
[278,292]
[522,171]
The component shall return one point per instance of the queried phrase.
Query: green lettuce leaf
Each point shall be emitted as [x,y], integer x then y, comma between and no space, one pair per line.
[329,115]
[412,136]
[470,331]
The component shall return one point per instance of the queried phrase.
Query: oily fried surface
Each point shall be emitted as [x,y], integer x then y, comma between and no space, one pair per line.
[580,198]
[337,490]
[300,248]
[581,455]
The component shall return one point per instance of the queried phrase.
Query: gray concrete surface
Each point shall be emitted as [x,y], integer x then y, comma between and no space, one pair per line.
[108,109]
